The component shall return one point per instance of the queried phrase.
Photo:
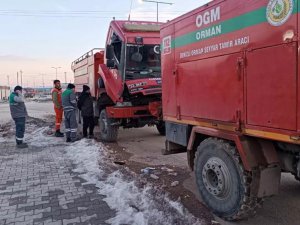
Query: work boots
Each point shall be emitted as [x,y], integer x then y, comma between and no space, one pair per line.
[21,144]
[59,134]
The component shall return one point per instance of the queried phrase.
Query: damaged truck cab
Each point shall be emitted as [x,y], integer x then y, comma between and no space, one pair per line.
[127,78]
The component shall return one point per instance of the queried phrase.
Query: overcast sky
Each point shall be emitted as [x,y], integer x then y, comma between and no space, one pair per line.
[36,35]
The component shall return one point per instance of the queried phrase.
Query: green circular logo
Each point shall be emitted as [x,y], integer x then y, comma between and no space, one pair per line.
[279,11]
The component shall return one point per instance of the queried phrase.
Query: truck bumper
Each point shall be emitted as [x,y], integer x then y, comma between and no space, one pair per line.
[151,110]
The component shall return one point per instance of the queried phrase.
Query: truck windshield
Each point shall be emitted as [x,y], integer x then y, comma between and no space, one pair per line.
[142,61]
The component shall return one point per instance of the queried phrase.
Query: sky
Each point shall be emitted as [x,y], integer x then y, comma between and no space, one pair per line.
[37,35]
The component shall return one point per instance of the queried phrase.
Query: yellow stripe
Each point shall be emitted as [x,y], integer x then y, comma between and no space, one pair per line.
[202,124]
[250,132]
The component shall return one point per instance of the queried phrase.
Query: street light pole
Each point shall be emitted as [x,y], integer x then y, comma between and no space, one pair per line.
[158,2]
[55,71]
[21,73]
[65,77]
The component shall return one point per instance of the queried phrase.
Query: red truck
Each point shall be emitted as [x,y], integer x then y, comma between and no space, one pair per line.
[231,99]
[29,92]
[125,78]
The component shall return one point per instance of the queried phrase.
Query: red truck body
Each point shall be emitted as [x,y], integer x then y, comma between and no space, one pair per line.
[220,70]
[125,77]
[86,69]
[230,75]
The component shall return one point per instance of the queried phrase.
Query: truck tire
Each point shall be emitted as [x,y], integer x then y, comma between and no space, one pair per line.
[108,131]
[161,127]
[222,181]
[296,177]
[101,83]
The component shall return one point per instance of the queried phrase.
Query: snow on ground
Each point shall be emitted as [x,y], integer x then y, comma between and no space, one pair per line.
[39,138]
[134,205]
[2,140]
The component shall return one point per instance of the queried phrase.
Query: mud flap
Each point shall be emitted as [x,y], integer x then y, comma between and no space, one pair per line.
[269,182]
[172,148]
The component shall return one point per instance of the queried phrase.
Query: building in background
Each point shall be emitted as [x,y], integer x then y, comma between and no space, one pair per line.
[43,91]
[4,92]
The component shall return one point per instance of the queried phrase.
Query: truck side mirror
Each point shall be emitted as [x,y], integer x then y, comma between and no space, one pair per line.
[110,52]
[110,63]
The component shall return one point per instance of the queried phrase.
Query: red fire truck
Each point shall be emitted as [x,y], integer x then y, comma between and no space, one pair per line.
[125,78]
[231,99]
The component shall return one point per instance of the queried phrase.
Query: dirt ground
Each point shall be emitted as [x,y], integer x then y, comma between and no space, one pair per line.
[144,147]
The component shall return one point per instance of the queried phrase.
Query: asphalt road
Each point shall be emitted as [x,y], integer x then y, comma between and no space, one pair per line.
[36,110]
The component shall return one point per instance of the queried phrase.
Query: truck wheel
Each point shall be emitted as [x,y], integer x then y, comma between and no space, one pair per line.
[101,83]
[161,127]
[222,181]
[296,177]
[108,131]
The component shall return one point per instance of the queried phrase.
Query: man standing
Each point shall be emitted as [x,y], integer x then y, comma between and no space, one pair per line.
[69,105]
[18,113]
[56,98]
[85,104]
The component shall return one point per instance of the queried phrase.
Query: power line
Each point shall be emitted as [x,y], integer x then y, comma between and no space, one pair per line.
[79,12]
[62,16]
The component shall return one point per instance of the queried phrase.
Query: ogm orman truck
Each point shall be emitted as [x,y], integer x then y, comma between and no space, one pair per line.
[125,78]
[231,99]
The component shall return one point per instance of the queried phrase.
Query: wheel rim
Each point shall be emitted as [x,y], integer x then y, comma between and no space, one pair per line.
[216,178]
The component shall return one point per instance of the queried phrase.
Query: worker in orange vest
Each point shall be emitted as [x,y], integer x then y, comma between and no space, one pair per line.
[58,108]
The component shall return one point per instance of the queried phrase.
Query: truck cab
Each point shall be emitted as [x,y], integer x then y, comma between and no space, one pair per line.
[130,78]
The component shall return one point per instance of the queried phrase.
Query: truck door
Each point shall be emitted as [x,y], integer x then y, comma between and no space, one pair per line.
[271,87]
[114,76]
[169,77]
[271,70]
[211,88]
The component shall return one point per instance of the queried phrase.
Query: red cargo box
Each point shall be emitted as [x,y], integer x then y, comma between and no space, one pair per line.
[86,69]
[234,62]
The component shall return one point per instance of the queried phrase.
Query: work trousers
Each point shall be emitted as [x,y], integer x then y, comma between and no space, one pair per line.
[71,125]
[58,115]
[20,129]
[88,122]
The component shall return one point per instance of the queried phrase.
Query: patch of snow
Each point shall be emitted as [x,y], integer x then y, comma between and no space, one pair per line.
[38,138]
[174,184]
[167,169]
[153,176]
[2,140]
[134,205]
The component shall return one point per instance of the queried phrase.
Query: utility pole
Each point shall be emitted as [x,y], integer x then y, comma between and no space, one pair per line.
[65,77]
[17,78]
[55,71]
[157,3]
[21,73]
[8,81]
[43,81]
